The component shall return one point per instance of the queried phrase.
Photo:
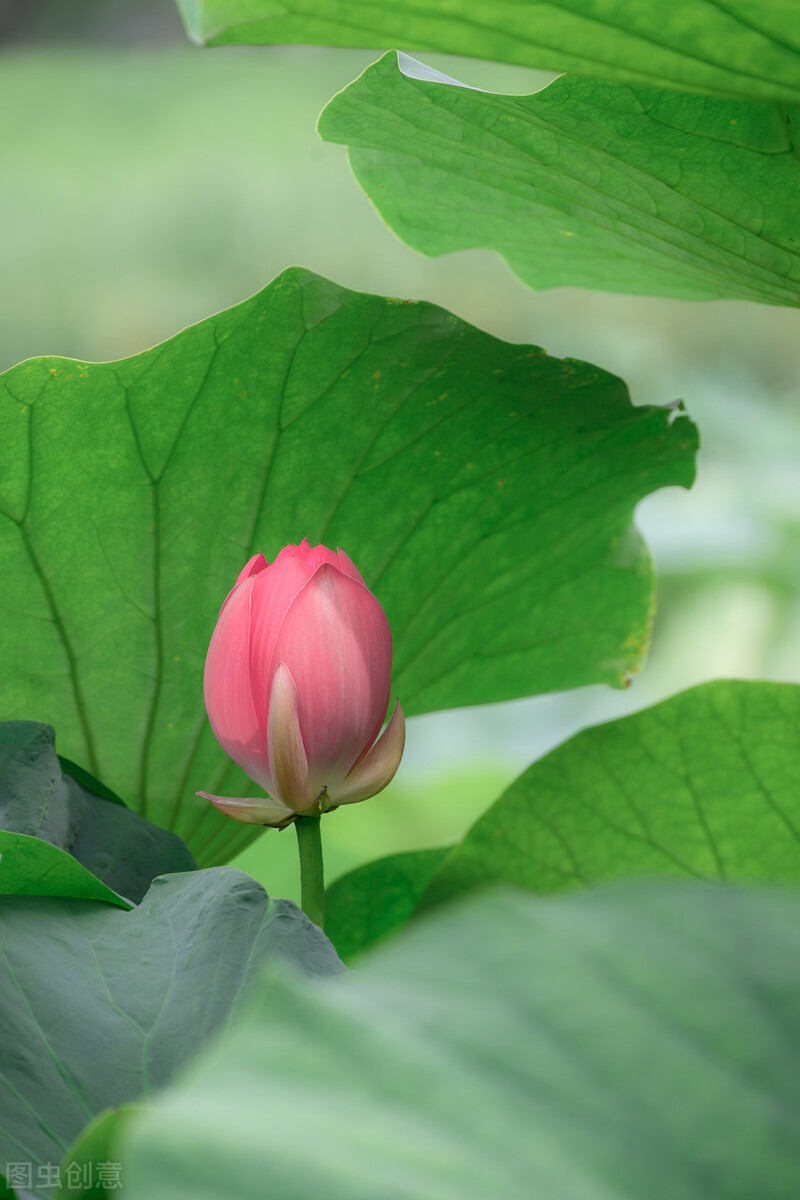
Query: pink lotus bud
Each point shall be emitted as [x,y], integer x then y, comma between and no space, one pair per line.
[297,686]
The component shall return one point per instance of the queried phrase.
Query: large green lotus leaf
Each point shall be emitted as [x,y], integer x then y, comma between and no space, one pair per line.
[99,1007]
[735,49]
[366,904]
[59,837]
[704,785]
[584,184]
[485,490]
[638,1042]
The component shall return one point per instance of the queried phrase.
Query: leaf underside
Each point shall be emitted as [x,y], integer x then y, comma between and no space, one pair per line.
[637,1042]
[732,49]
[102,1006]
[585,183]
[61,836]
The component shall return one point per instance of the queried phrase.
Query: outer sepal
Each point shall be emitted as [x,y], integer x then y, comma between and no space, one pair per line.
[252,810]
[287,755]
[378,767]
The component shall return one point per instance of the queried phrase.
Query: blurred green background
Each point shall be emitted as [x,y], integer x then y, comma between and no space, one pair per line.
[147,184]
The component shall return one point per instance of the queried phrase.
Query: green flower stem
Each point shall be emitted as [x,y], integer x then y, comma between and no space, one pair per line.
[312,875]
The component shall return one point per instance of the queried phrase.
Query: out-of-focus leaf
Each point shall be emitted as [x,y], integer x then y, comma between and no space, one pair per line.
[637,1042]
[735,49]
[364,905]
[584,183]
[100,1007]
[62,837]
[704,785]
[485,491]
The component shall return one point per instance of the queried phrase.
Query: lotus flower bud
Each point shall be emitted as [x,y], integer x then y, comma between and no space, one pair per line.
[297,684]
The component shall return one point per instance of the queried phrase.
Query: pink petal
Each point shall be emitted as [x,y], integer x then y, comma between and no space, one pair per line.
[378,766]
[348,566]
[277,588]
[226,685]
[251,810]
[310,556]
[274,591]
[335,641]
[254,565]
[287,755]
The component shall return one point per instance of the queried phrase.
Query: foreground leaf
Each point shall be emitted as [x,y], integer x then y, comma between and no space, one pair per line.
[484,489]
[706,784]
[59,838]
[637,1042]
[584,184]
[375,899]
[80,1177]
[102,1006]
[694,45]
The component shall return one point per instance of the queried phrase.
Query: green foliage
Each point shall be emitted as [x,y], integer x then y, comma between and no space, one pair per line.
[377,898]
[637,1042]
[102,1006]
[706,784]
[95,1144]
[585,184]
[694,45]
[32,867]
[133,492]
[415,811]
[88,782]
[61,836]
